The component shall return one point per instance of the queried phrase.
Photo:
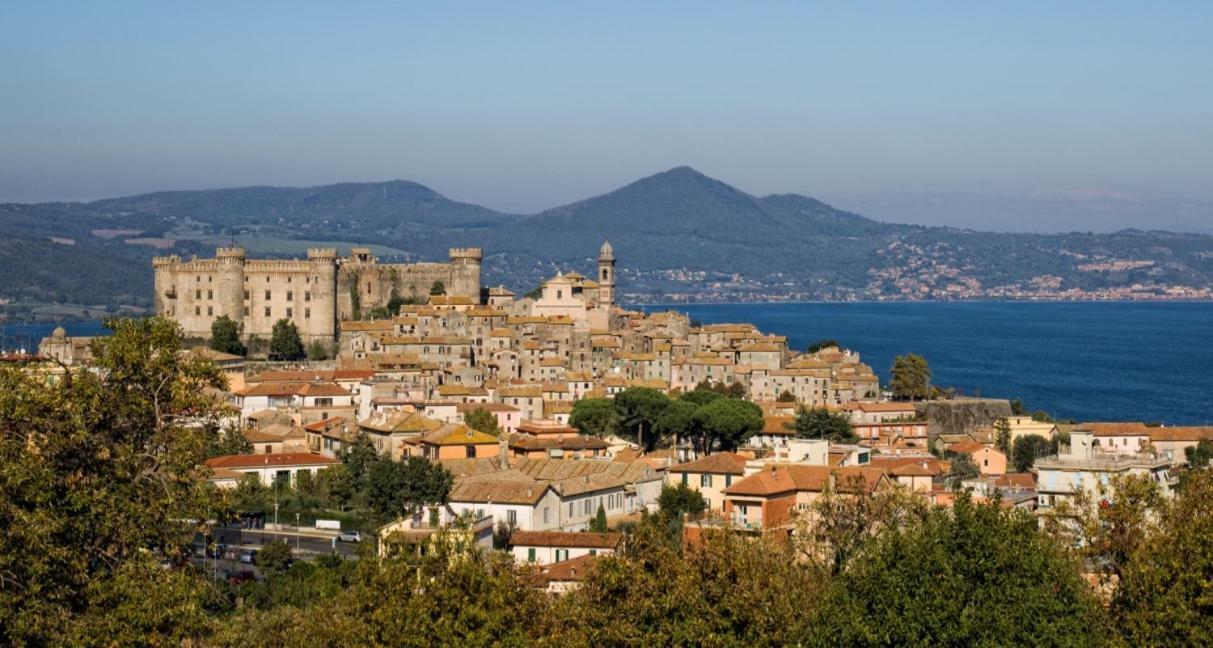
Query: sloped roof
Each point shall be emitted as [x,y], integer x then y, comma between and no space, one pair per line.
[267,460]
[719,463]
[791,478]
[565,539]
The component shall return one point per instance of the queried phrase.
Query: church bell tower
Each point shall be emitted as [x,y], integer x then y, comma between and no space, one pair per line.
[606,275]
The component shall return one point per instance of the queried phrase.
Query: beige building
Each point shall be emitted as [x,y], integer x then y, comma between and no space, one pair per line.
[314,293]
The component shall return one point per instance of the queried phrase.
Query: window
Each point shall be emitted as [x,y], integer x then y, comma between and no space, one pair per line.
[268,296]
[197,294]
[686,479]
[562,555]
[307,295]
[210,310]
[530,554]
[290,295]
[269,449]
[728,481]
[593,552]
[197,310]
[559,294]
[545,515]
[570,509]
[511,517]
[307,313]
[288,312]
[267,311]
[705,481]
[246,295]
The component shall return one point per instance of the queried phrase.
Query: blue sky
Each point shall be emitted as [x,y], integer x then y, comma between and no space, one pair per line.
[1010,116]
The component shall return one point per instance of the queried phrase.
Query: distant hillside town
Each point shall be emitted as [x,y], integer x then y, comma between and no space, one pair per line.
[553,409]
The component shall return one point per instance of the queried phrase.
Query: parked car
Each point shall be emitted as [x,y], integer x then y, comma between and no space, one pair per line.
[241,577]
[349,536]
[248,556]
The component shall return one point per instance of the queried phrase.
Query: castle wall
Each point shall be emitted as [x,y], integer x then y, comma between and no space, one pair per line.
[313,292]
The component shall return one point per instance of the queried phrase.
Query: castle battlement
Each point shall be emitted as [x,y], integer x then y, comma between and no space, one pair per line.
[466,254]
[279,265]
[236,252]
[165,261]
[322,253]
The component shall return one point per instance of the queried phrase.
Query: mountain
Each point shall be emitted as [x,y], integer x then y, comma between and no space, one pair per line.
[680,235]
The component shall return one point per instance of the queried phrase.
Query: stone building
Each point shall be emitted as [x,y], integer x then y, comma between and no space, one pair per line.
[314,293]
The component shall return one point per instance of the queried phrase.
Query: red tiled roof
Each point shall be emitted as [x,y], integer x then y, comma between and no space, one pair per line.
[565,539]
[719,463]
[268,460]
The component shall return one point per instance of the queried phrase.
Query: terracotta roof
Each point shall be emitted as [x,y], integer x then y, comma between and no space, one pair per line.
[323,389]
[565,539]
[498,491]
[455,434]
[718,463]
[1116,429]
[267,460]
[399,423]
[567,571]
[792,478]
[1016,480]
[1188,433]
[527,442]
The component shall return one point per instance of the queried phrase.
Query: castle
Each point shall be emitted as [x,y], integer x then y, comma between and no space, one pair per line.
[315,293]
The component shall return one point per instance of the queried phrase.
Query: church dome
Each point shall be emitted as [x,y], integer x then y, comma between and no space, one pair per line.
[59,333]
[606,251]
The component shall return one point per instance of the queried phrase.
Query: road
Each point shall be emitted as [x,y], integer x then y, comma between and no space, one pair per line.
[304,546]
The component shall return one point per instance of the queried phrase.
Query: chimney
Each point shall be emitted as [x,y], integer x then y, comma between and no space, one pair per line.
[503,452]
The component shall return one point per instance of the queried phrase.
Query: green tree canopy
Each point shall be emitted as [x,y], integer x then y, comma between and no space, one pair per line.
[729,422]
[483,420]
[401,488]
[437,288]
[595,417]
[225,336]
[679,421]
[99,477]
[274,558]
[1164,591]
[786,397]
[978,575]
[821,423]
[1027,449]
[599,524]
[1198,456]
[285,343]
[701,395]
[911,377]
[638,409]
[963,467]
[678,499]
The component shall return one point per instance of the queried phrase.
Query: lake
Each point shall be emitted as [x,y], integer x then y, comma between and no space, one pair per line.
[1148,361]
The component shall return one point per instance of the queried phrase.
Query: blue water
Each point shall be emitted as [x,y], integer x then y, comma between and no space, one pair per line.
[1145,361]
[1084,361]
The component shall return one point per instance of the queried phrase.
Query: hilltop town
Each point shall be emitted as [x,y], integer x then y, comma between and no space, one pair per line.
[519,397]
[390,411]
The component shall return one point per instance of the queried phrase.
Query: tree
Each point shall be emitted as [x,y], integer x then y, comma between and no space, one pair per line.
[228,441]
[1018,408]
[1027,449]
[595,417]
[1002,435]
[317,350]
[729,422]
[1163,595]
[599,524]
[974,575]
[701,395]
[678,421]
[225,336]
[821,423]
[911,377]
[99,479]
[397,489]
[285,343]
[678,499]
[274,558]
[336,485]
[786,397]
[638,409]
[1199,456]
[482,420]
[437,288]
[963,467]
[823,344]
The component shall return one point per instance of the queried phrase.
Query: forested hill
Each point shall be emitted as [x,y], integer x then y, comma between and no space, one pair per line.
[679,235]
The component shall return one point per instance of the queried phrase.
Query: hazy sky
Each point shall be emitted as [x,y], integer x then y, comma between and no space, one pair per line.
[1008,116]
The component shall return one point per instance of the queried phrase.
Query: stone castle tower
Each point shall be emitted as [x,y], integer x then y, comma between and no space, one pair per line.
[606,274]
